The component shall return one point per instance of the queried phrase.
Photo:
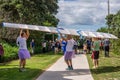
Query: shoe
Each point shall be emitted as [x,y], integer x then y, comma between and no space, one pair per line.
[71,68]
[22,69]
[68,68]
[94,67]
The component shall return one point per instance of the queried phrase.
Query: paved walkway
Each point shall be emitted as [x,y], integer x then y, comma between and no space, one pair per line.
[57,71]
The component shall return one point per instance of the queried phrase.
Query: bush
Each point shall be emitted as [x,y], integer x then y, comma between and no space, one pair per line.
[116,46]
[10,52]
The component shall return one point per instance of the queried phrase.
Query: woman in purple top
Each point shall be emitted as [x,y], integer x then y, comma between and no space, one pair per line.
[23,52]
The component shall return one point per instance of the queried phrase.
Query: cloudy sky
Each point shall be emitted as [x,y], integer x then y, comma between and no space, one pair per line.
[85,14]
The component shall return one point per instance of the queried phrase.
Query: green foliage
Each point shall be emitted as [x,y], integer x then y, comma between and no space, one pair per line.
[113,21]
[116,46]
[35,12]
[109,19]
[103,29]
[10,52]
[29,11]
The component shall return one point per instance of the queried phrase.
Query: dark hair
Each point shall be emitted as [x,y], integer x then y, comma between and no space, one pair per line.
[22,33]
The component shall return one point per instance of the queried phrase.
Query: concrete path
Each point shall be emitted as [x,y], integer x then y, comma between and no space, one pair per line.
[58,70]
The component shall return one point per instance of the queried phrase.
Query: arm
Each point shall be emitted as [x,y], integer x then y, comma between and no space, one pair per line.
[27,34]
[63,37]
[21,32]
[17,41]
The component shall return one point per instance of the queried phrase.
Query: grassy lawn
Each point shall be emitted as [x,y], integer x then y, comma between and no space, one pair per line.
[109,68]
[35,66]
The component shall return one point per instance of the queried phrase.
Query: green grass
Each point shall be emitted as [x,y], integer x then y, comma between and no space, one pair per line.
[35,66]
[109,68]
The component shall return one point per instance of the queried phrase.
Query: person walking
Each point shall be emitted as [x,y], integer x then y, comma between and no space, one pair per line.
[23,52]
[32,46]
[88,41]
[96,49]
[69,51]
[106,47]
[44,47]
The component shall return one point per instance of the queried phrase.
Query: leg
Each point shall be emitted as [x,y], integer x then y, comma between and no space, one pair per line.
[67,62]
[105,52]
[108,52]
[21,63]
[70,62]
[97,63]
[24,63]
[94,63]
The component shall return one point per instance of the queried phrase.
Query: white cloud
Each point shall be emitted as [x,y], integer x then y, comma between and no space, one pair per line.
[85,12]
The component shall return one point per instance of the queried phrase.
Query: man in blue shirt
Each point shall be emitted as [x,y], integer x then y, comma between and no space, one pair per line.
[64,43]
[88,45]
[106,47]
[32,46]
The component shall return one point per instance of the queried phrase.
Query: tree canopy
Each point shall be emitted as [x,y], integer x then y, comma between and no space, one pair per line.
[41,12]
[35,12]
[113,21]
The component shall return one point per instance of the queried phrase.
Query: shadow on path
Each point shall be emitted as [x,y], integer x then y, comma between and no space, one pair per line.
[106,69]
[64,75]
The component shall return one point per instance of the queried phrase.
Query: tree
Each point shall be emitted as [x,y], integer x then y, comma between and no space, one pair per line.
[109,19]
[29,11]
[38,12]
[113,21]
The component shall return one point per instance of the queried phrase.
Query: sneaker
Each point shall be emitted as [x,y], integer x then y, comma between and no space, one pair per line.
[22,69]
[94,67]
[71,68]
[68,68]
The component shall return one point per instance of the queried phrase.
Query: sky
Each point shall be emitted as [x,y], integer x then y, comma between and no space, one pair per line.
[85,14]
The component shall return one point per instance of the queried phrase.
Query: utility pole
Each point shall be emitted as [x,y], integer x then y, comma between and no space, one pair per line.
[108,13]
[108,7]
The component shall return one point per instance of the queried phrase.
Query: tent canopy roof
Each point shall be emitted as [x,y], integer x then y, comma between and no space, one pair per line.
[62,31]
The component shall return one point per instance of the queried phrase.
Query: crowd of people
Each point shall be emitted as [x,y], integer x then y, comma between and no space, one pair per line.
[68,46]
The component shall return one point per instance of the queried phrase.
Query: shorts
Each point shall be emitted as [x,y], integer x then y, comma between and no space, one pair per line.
[68,55]
[89,47]
[96,55]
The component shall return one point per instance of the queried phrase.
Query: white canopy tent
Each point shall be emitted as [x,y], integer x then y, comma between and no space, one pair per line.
[97,34]
[62,31]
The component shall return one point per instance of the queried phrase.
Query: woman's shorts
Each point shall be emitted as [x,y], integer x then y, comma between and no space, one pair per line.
[96,55]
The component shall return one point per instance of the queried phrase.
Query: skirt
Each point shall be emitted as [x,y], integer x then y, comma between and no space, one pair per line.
[23,54]
[68,55]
